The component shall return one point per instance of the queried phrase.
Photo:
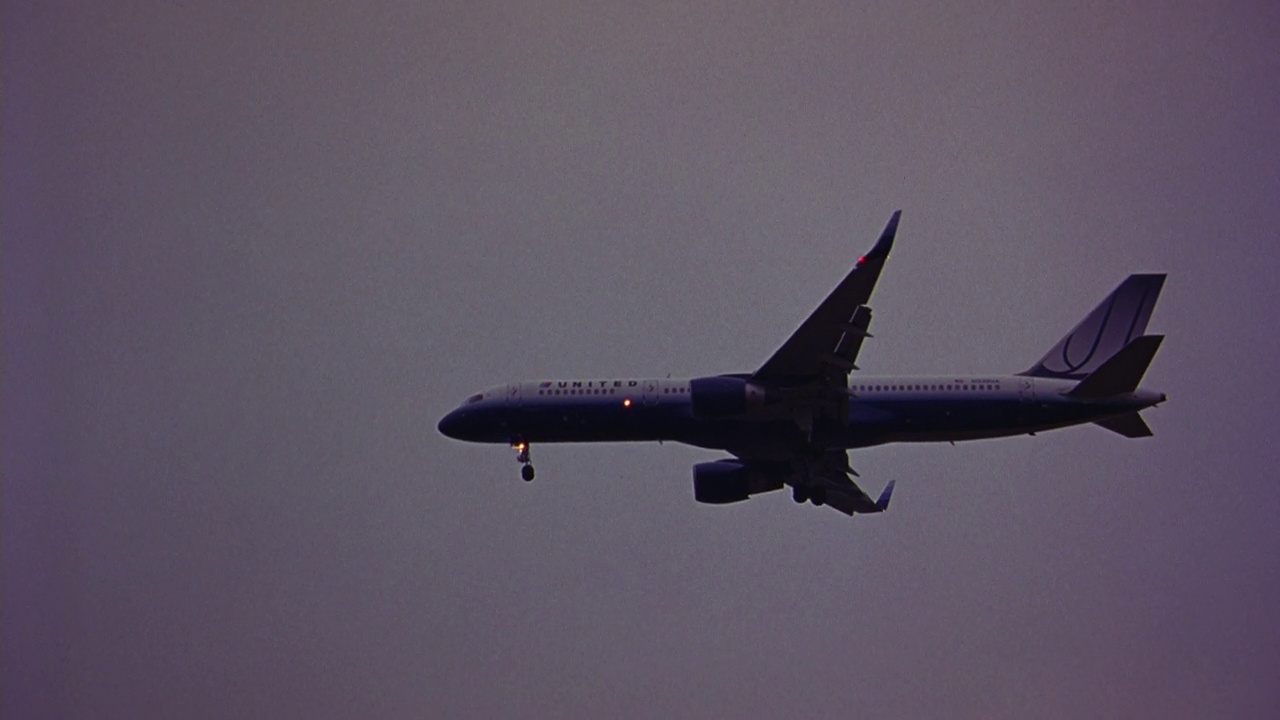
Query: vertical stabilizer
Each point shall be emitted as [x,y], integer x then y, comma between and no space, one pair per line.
[1118,320]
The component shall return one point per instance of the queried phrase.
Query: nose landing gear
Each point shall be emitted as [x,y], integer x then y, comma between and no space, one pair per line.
[522,457]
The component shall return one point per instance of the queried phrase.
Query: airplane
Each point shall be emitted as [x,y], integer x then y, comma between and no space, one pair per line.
[793,420]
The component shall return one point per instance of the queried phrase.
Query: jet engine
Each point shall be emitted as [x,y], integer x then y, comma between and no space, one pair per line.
[727,481]
[723,395]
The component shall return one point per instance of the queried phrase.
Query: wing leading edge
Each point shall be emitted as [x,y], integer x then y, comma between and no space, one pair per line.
[826,344]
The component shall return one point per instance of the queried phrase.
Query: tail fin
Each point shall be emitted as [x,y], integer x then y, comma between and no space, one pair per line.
[1120,318]
[1122,372]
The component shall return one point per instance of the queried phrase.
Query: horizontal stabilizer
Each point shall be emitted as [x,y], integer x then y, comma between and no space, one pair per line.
[1122,372]
[1130,426]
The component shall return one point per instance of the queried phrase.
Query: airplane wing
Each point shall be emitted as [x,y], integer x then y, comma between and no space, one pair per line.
[826,345]
[820,354]
[831,477]
[851,499]
[823,477]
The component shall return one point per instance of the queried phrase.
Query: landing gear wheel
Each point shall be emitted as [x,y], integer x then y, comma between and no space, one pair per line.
[800,495]
[819,497]
[522,456]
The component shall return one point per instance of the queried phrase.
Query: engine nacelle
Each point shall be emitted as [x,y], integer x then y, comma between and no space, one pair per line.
[728,481]
[722,395]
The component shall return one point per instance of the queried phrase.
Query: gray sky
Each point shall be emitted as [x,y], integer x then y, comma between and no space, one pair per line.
[252,254]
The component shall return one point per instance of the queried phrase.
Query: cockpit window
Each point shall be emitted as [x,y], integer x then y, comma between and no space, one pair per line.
[475,398]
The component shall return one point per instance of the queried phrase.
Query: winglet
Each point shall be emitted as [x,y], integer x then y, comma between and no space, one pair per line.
[883,503]
[885,243]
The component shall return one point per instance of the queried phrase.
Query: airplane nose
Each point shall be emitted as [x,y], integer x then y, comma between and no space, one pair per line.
[451,424]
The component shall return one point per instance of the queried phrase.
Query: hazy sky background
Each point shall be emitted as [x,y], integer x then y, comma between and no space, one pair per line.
[254,251]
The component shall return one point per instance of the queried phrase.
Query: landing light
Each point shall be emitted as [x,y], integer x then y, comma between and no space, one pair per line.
[626,402]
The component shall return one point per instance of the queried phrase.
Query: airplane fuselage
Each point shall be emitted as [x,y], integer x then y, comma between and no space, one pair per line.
[884,409]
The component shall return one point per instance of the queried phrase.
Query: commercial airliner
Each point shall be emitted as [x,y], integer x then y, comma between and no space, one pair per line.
[792,421]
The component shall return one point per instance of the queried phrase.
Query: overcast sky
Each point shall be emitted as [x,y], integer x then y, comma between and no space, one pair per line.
[253,251]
